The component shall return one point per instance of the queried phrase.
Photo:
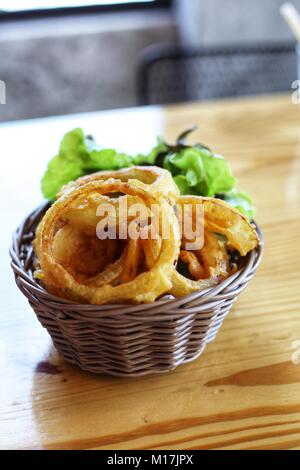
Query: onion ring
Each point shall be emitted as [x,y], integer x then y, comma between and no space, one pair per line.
[158,179]
[122,280]
[221,218]
[210,264]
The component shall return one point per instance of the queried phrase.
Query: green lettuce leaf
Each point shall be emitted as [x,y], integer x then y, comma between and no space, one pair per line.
[183,185]
[67,165]
[108,159]
[195,169]
[59,173]
[79,155]
[206,173]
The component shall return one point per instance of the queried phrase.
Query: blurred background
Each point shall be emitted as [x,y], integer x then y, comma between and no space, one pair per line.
[68,56]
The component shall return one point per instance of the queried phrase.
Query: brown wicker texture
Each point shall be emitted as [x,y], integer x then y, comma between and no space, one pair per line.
[127,340]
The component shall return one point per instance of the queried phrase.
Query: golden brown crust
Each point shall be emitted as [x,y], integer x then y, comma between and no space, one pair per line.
[120,282]
[158,179]
[219,218]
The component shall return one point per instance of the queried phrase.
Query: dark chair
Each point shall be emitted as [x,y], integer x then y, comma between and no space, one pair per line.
[170,74]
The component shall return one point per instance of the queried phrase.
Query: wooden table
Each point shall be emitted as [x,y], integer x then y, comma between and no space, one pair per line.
[244,391]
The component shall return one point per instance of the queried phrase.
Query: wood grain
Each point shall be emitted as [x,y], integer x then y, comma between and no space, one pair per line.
[244,392]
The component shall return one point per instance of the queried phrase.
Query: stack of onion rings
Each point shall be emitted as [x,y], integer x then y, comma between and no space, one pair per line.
[78,264]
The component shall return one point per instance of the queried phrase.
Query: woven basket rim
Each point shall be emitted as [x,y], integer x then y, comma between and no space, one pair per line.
[252,261]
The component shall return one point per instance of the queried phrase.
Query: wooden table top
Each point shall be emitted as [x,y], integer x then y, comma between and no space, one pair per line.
[244,391]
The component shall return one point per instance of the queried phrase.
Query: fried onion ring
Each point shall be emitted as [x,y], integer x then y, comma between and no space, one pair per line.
[158,179]
[63,248]
[221,218]
[210,264]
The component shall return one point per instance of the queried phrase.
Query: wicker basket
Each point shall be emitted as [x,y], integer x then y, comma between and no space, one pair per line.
[127,340]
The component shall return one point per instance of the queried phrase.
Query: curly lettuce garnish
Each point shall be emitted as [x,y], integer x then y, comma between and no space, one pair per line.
[195,169]
[79,155]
